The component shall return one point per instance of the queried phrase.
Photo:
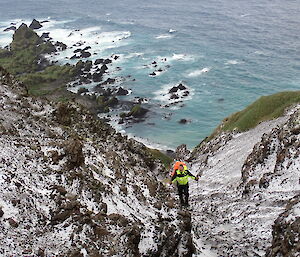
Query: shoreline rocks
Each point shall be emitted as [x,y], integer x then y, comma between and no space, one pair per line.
[35,24]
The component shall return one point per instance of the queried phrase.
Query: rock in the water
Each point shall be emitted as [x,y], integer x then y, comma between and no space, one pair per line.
[181,86]
[97,77]
[137,111]
[1,213]
[173,90]
[60,46]
[45,35]
[174,96]
[186,93]
[98,61]
[152,74]
[107,61]
[109,81]
[85,54]
[35,24]
[10,28]
[122,91]
[183,121]
[86,48]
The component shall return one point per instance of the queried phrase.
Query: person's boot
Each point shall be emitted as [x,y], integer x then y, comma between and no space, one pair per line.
[181,201]
[186,203]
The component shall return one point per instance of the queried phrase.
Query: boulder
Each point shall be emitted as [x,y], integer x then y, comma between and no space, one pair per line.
[45,35]
[181,86]
[122,91]
[174,96]
[103,68]
[107,61]
[183,121]
[73,151]
[86,48]
[137,111]
[85,54]
[10,28]
[1,213]
[152,74]
[97,77]
[13,223]
[74,57]
[99,61]
[186,93]
[60,46]
[35,24]
[88,65]
[173,90]
[78,50]
[109,81]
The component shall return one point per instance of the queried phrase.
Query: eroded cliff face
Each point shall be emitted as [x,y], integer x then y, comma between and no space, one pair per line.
[242,204]
[71,186]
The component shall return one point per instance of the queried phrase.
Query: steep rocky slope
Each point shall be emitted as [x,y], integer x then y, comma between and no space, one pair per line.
[243,196]
[71,186]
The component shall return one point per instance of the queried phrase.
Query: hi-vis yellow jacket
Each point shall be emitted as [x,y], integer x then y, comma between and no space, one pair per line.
[182,177]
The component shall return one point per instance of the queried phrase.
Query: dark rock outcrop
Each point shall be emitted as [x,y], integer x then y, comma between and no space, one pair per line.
[10,28]
[35,24]
[60,46]
[286,231]
[122,91]
[182,153]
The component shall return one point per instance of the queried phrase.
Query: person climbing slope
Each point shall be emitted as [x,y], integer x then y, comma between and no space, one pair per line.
[181,177]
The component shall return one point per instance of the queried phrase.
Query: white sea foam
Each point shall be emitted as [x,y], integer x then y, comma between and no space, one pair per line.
[182,57]
[232,62]
[172,30]
[98,40]
[132,55]
[94,37]
[245,15]
[197,73]
[164,36]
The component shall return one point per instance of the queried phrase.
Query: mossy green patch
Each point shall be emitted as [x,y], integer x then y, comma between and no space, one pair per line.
[25,53]
[52,78]
[137,111]
[166,160]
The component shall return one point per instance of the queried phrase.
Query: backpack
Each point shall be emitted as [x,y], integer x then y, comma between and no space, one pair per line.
[176,167]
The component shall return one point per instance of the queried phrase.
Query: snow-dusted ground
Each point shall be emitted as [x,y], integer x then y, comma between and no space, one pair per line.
[79,189]
[226,222]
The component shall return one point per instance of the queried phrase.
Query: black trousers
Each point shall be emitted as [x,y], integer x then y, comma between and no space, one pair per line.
[183,192]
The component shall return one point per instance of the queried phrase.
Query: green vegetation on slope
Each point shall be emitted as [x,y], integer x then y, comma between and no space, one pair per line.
[25,59]
[263,109]
[166,160]
[52,78]
[25,52]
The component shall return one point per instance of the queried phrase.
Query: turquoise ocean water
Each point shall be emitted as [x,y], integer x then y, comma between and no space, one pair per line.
[227,52]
